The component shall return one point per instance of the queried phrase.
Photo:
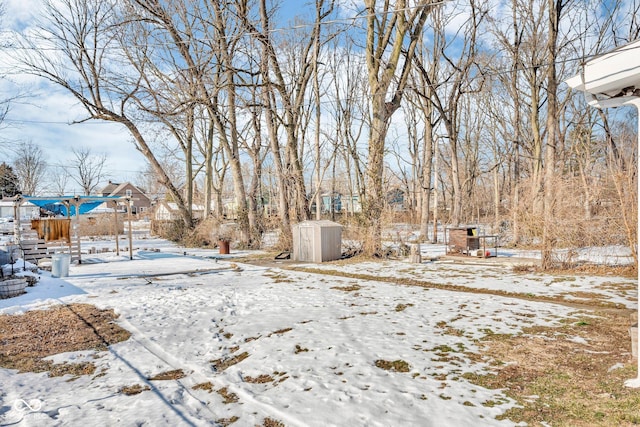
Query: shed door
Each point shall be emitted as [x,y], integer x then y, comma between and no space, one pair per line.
[306,243]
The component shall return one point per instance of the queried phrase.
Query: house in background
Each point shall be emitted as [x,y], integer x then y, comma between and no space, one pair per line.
[350,204]
[396,198]
[25,210]
[140,202]
[168,211]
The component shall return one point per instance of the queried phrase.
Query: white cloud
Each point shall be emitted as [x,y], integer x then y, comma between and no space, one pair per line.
[20,13]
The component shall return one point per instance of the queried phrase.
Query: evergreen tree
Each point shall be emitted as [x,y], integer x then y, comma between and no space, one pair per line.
[8,181]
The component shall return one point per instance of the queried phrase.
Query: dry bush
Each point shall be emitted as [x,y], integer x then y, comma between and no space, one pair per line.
[202,235]
[208,232]
[173,230]
[606,218]
[285,242]
[101,224]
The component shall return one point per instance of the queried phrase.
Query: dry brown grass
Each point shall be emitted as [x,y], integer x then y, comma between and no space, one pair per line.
[208,386]
[260,379]
[28,338]
[280,331]
[350,288]
[132,390]
[270,422]
[573,381]
[299,349]
[595,303]
[223,363]
[227,421]
[393,366]
[227,396]
[402,307]
[174,374]
[629,271]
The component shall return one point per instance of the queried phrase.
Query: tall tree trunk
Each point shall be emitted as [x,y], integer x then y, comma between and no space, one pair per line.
[427,161]
[548,234]
[385,45]
[283,203]
[208,169]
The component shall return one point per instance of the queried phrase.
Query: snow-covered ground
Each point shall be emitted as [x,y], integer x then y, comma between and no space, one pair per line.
[314,338]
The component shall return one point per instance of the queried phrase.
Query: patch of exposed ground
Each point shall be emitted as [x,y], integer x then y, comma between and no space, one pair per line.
[132,390]
[227,396]
[175,374]
[394,366]
[223,363]
[227,421]
[27,339]
[568,376]
[596,301]
[275,378]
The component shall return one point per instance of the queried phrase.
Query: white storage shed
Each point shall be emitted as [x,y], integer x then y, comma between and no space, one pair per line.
[317,241]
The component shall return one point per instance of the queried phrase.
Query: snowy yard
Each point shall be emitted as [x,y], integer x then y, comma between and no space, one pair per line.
[258,345]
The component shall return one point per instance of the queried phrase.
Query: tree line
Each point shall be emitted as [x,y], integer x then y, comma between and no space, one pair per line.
[460,104]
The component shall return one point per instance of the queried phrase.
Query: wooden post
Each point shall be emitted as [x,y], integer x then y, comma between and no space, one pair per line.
[130,233]
[67,204]
[16,220]
[77,224]
[115,220]
[416,256]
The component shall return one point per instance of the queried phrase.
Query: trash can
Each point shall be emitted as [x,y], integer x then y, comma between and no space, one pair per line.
[60,265]
[224,247]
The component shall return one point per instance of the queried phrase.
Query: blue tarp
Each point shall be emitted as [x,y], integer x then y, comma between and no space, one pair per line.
[57,206]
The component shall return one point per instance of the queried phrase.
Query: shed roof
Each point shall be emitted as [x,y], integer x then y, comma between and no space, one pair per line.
[319,223]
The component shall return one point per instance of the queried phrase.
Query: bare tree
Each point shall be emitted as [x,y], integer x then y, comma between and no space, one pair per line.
[83,34]
[392,35]
[422,101]
[348,114]
[555,12]
[88,169]
[287,81]
[58,179]
[30,166]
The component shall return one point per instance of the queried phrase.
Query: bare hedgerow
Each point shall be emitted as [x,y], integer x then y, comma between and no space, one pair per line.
[580,219]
